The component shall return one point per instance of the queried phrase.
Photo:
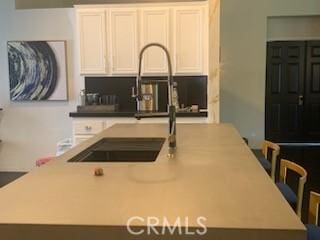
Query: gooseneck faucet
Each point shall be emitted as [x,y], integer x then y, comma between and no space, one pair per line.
[171,107]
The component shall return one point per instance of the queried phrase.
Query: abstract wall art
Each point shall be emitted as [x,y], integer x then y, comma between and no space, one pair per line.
[37,70]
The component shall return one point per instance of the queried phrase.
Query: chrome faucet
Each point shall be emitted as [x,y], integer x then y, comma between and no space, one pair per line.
[136,93]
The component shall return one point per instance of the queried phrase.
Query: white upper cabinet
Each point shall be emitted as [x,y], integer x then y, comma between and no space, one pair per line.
[155,28]
[123,41]
[188,40]
[111,36]
[92,29]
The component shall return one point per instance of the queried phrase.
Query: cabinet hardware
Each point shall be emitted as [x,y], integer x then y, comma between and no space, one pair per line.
[88,128]
[301,99]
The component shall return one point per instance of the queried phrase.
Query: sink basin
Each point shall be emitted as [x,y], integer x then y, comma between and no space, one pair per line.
[122,150]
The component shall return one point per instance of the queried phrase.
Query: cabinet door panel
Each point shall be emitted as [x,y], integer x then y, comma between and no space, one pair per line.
[124,42]
[188,40]
[88,127]
[155,29]
[92,42]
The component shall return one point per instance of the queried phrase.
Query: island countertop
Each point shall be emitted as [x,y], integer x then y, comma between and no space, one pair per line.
[213,174]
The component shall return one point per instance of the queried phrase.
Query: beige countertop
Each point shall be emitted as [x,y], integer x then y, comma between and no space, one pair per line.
[214,174]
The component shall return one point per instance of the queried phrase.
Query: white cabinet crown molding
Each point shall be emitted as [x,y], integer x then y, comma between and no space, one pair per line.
[141,5]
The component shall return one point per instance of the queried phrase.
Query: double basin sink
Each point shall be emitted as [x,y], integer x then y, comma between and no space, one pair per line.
[122,150]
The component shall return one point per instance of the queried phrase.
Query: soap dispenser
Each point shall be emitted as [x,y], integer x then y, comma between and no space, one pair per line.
[175,97]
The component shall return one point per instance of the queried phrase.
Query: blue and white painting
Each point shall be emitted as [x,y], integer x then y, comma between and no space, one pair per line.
[37,70]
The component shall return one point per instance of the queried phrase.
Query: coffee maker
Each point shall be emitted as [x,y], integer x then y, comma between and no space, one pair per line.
[149,94]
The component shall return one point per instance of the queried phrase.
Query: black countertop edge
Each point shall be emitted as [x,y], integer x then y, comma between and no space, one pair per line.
[130,114]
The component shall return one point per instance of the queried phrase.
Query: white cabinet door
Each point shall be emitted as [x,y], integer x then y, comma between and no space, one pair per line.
[92,31]
[188,40]
[88,127]
[112,121]
[80,138]
[123,41]
[155,28]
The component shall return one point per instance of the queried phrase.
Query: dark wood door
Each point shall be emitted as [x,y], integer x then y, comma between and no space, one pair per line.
[312,92]
[293,91]
[284,91]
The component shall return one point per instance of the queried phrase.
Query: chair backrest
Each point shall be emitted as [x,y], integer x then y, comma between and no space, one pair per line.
[314,208]
[275,153]
[284,166]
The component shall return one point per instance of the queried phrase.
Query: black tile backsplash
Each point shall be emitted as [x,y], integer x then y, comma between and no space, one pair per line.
[191,90]
[120,86]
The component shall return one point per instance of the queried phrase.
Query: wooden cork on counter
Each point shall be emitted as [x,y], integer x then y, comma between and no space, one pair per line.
[98,172]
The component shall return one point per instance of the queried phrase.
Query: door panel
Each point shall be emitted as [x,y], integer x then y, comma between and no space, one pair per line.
[188,38]
[155,29]
[276,73]
[312,93]
[315,80]
[285,83]
[124,41]
[293,114]
[92,42]
[293,77]
[274,115]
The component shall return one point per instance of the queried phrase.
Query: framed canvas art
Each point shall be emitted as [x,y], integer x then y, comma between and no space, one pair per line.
[37,70]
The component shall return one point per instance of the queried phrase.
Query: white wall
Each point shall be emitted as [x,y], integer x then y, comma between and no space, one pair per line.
[293,28]
[29,4]
[243,56]
[31,130]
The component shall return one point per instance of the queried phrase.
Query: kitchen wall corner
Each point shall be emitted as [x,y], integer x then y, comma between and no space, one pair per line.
[214,62]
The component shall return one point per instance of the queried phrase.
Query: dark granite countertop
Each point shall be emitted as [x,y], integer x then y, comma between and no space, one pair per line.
[129,114]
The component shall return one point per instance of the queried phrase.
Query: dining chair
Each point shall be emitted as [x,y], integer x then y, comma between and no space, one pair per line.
[313,230]
[266,164]
[295,200]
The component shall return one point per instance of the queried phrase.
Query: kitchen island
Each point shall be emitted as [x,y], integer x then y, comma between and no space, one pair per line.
[213,175]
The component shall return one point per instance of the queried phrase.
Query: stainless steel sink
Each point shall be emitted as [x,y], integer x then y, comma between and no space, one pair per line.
[122,150]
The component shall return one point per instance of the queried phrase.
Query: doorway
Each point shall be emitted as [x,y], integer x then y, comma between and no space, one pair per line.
[293,92]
